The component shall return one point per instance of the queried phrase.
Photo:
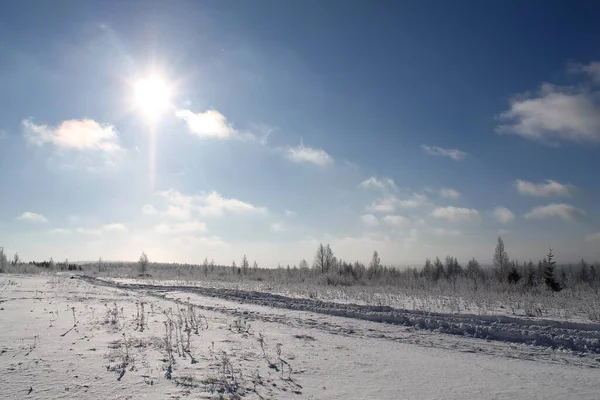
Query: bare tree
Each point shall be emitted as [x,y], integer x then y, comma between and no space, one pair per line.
[323,258]
[16,260]
[100,264]
[501,259]
[143,263]
[319,262]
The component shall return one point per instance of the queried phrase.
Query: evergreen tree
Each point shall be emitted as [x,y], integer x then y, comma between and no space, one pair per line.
[549,278]
[500,259]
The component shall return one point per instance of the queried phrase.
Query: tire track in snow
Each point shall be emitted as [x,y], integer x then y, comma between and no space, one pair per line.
[581,338]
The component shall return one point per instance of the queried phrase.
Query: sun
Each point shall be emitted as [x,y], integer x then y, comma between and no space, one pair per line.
[152,96]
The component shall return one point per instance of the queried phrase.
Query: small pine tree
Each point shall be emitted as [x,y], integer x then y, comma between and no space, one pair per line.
[438,270]
[500,259]
[374,266]
[513,275]
[549,278]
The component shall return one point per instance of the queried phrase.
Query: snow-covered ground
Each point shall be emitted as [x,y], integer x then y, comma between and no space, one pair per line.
[85,338]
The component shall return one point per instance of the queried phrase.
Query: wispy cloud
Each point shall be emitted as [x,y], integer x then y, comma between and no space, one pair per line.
[369,219]
[32,217]
[441,232]
[85,134]
[305,154]
[449,193]
[277,227]
[553,115]
[181,206]
[148,209]
[207,124]
[176,211]
[547,189]
[566,212]
[456,214]
[454,154]
[595,237]
[181,227]
[290,213]
[396,220]
[380,184]
[592,70]
[94,143]
[89,232]
[390,203]
[114,228]
[503,215]
[60,231]
[208,241]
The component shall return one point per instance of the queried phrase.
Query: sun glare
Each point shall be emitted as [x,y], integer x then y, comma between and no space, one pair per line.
[152,96]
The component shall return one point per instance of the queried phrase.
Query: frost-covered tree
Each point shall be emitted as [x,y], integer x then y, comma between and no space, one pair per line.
[427,270]
[143,264]
[324,258]
[438,269]
[501,259]
[245,265]
[205,266]
[3,260]
[374,266]
[303,265]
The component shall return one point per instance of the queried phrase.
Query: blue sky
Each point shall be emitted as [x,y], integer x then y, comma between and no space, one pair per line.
[413,128]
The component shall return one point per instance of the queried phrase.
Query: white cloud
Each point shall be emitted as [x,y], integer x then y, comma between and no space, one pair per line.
[389,204]
[456,214]
[209,241]
[592,69]
[369,219]
[595,237]
[60,231]
[548,189]
[553,115]
[90,232]
[116,227]
[304,154]
[503,215]
[149,209]
[207,124]
[289,213]
[181,227]
[454,154]
[381,184]
[181,206]
[215,204]
[565,211]
[441,232]
[277,227]
[177,212]
[32,217]
[396,220]
[85,134]
[449,193]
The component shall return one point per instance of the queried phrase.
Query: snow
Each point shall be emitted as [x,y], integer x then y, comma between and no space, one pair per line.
[59,340]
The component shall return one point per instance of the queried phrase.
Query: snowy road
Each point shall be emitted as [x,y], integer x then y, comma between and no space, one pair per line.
[323,350]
